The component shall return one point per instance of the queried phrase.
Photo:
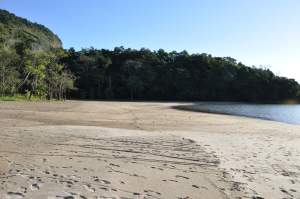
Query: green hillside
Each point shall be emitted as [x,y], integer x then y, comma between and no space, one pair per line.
[15,30]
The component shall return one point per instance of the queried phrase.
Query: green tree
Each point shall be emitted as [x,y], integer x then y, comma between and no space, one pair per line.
[9,76]
[35,69]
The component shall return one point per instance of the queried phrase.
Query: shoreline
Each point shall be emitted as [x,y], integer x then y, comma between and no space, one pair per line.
[194,108]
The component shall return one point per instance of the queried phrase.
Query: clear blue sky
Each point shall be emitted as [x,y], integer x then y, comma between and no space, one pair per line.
[256,32]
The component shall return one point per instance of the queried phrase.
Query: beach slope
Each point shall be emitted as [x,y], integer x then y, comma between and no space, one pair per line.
[78,149]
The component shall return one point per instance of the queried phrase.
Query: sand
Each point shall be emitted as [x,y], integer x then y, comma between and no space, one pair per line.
[78,149]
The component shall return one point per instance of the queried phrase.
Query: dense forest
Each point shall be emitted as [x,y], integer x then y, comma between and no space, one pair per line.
[30,66]
[158,75]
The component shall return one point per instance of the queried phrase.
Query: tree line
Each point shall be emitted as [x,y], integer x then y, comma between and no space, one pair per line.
[129,74]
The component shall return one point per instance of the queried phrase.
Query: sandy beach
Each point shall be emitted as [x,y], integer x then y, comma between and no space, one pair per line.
[136,150]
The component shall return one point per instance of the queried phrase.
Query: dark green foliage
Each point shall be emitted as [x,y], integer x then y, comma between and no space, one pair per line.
[33,63]
[127,74]
[9,75]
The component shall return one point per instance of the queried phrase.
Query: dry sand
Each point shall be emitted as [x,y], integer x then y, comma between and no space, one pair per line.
[124,150]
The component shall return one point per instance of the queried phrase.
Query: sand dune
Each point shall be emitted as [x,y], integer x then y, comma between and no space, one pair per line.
[143,150]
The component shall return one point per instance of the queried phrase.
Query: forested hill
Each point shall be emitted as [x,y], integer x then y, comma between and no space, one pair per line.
[33,63]
[30,60]
[16,30]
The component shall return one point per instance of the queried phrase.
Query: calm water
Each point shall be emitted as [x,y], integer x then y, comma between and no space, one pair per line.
[282,113]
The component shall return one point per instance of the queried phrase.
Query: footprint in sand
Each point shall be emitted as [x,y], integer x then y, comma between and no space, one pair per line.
[170,180]
[68,183]
[65,197]
[114,165]
[104,188]
[15,195]
[286,192]
[69,197]
[293,190]
[24,189]
[151,191]
[204,187]
[184,177]
[46,172]
[104,182]
[96,179]
[35,187]
[89,188]
[195,186]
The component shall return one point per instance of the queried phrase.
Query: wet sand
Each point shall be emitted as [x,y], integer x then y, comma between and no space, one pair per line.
[78,149]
